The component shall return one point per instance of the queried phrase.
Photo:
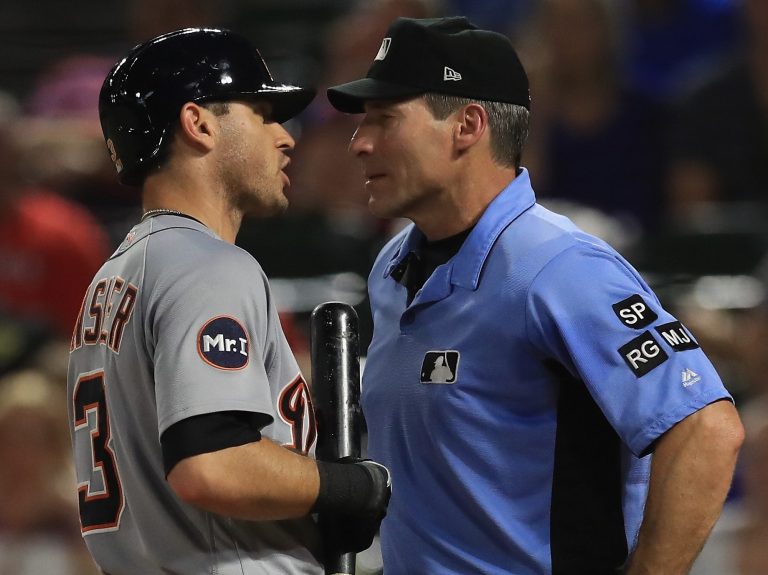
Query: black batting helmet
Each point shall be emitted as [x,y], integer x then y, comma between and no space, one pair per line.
[142,95]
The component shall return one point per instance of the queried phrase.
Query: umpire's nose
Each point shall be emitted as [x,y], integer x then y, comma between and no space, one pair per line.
[361,143]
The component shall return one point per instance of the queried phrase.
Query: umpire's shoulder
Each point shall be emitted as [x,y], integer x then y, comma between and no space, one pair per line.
[540,237]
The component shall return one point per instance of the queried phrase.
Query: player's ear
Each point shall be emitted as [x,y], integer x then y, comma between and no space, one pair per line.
[471,125]
[197,126]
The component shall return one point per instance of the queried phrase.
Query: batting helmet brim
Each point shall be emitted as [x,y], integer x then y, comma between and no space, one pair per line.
[287,101]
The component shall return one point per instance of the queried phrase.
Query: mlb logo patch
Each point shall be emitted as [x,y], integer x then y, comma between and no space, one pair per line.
[440,367]
[223,343]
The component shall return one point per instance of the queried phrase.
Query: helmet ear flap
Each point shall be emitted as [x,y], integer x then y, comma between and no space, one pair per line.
[142,95]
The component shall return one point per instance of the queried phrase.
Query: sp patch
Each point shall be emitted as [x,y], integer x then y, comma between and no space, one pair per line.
[223,343]
[634,312]
[642,354]
[677,336]
[440,367]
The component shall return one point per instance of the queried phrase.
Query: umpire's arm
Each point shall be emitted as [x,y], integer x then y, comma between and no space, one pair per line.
[691,473]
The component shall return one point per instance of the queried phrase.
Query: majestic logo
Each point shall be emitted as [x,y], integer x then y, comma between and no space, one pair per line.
[634,312]
[440,367]
[223,343]
[449,74]
[677,336]
[643,354]
[295,408]
[688,377]
[383,49]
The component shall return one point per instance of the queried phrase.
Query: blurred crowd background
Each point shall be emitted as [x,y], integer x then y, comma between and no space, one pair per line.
[650,129]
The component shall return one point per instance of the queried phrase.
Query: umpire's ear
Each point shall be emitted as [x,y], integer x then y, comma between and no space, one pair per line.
[471,124]
[197,127]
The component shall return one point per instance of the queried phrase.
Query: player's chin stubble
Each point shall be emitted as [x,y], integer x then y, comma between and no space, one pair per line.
[262,200]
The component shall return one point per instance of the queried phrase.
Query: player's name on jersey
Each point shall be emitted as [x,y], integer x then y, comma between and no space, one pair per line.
[106,310]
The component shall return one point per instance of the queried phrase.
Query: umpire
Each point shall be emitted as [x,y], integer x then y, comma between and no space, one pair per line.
[541,412]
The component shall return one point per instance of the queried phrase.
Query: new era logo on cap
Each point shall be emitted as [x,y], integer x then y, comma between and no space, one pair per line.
[451,74]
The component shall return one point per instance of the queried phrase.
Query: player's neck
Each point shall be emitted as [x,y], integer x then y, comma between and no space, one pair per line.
[211,210]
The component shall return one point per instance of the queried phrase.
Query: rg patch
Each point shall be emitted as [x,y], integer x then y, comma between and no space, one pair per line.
[223,343]
[677,336]
[634,312]
[643,354]
[440,366]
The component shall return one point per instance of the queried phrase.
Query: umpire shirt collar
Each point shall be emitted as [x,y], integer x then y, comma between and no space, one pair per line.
[465,267]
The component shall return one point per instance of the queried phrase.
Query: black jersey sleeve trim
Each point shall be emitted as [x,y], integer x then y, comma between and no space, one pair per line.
[210,432]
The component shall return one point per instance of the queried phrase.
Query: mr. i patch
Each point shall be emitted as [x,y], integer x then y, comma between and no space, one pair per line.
[440,367]
[223,343]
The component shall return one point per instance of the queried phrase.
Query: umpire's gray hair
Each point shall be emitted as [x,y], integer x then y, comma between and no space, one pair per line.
[508,124]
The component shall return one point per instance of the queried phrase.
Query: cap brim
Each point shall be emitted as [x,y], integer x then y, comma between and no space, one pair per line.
[287,101]
[352,96]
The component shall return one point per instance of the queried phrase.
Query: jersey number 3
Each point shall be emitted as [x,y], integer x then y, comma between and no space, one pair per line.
[100,494]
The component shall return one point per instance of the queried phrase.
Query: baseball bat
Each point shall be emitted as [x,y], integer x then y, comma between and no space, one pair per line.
[335,356]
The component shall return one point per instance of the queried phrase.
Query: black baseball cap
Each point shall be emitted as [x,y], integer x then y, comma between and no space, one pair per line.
[441,55]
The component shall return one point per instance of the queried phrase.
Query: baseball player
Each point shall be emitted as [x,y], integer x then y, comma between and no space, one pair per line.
[191,423]
[521,372]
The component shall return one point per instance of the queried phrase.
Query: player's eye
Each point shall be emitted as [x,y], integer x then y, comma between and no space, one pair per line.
[263,109]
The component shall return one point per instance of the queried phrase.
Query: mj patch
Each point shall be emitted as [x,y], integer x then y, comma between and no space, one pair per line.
[677,336]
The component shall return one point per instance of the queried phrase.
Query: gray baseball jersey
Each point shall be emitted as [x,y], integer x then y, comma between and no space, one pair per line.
[179,323]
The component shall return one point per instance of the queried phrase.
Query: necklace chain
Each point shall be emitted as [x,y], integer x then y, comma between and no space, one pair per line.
[161,211]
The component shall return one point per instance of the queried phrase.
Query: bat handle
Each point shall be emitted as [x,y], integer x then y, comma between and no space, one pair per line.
[341,565]
[336,385]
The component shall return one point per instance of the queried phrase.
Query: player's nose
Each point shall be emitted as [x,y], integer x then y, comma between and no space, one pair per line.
[283,140]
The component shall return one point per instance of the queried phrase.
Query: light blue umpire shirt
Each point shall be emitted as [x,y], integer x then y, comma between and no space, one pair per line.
[517,398]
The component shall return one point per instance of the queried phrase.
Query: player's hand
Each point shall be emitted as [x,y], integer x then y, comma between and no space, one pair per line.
[352,533]
[382,485]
